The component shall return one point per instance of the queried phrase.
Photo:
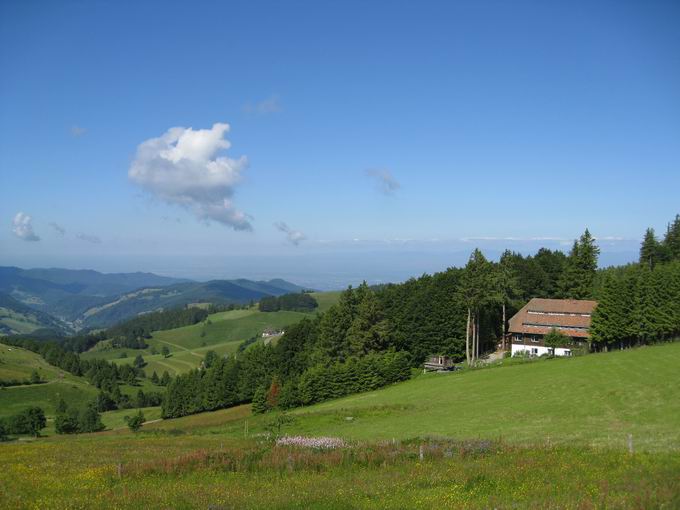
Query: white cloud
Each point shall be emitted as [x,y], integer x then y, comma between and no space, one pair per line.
[387,184]
[78,131]
[270,105]
[23,228]
[182,167]
[89,238]
[60,230]
[292,236]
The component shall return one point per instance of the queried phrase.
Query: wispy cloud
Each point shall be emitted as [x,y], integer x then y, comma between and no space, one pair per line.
[292,236]
[60,230]
[77,131]
[386,182]
[265,107]
[182,167]
[89,238]
[22,226]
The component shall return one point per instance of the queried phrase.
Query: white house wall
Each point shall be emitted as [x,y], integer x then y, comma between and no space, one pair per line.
[539,350]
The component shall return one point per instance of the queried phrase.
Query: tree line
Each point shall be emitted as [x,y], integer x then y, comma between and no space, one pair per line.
[296,302]
[133,332]
[640,303]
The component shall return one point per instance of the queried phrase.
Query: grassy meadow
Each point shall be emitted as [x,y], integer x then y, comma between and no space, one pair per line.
[222,332]
[538,434]
[596,400]
[17,363]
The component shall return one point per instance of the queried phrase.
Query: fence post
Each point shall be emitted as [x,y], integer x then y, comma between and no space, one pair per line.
[630,443]
[422,452]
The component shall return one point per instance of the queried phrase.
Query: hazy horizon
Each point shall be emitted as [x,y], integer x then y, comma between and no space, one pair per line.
[326,270]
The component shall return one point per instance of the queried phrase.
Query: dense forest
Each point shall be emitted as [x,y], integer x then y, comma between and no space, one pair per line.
[299,302]
[640,303]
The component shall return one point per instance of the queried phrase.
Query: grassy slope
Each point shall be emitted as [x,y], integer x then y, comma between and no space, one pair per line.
[596,400]
[19,363]
[222,334]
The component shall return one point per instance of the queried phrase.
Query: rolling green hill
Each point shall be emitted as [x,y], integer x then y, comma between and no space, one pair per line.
[222,332]
[17,363]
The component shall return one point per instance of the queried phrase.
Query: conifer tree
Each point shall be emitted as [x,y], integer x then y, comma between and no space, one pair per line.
[165,378]
[139,361]
[89,420]
[650,250]
[578,278]
[671,240]
[259,405]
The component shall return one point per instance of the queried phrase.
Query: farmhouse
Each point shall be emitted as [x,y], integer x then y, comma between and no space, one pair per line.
[570,317]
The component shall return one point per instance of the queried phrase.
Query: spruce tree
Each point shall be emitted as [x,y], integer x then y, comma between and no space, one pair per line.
[650,250]
[671,240]
[89,420]
[165,378]
[259,405]
[578,278]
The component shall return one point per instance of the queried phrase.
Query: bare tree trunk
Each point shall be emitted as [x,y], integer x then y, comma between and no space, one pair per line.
[477,333]
[474,336]
[503,328]
[467,338]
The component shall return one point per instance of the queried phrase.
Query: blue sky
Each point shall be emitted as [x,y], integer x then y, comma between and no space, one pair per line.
[364,124]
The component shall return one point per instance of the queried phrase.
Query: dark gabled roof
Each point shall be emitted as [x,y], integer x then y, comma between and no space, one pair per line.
[539,316]
[561,305]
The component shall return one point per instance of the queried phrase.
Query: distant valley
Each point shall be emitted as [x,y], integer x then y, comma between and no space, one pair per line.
[65,301]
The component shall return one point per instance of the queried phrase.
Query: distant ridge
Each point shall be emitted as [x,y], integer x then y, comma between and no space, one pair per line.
[77,299]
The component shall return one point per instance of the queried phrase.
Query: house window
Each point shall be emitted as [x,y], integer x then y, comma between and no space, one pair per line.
[535,339]
[517,338]
[534,350]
